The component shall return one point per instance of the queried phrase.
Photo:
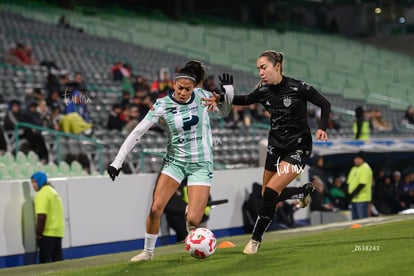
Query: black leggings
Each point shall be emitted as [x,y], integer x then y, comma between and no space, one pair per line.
[50,249]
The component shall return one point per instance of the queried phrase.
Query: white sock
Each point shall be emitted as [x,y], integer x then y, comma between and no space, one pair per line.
[149,243]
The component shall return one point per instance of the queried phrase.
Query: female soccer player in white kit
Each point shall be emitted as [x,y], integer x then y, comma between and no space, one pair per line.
[189,150]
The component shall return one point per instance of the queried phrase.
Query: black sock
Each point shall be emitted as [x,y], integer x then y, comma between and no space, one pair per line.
[265,218]
[291,193]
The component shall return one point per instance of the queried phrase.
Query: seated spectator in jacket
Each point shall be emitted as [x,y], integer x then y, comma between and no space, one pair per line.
[34,137]
[406,190]
[338,194]
[24,54]
[141,83]
[114,119]
[36,95]
[125,99]
[133,118]
[116,71]
[319,198]
[143,101]
[385,197]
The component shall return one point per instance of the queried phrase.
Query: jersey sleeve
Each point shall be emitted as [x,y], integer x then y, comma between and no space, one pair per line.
[313,96]
[259,95]
[152,117]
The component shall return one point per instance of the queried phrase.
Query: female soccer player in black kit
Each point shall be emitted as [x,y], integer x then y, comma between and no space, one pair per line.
[290,140]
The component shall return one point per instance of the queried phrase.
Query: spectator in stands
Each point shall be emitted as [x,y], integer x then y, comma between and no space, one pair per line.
[63,23]
[36,95]
[320,197]
[10,56]
[142,100]
[24,54]
[338,194]
[77,102]
[377,122]
[361,127]
[409,116]
[133,118]
[161,86]
[78,82]
[76,118]
[64,84]
[50,220]
[13,116]
[125,99]
[53,100]
[34,136]
[54,119]
[333,123]
[114,119]
[318,168]
[359,180]
[385,197]
[116,71]
[44,112]
[396,179]
[406,190]
[141,83]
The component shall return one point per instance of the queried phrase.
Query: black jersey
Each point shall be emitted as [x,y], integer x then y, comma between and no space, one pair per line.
[287,104]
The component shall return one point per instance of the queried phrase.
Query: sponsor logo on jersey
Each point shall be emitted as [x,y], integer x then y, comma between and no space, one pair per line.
[296,156]
[270,149]
[294,88]
[267,102]
[173,110]
[287,101]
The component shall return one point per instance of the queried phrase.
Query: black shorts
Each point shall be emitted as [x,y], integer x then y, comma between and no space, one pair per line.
[297,157]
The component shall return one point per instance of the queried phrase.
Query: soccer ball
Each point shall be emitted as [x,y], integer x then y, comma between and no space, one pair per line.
[200,243]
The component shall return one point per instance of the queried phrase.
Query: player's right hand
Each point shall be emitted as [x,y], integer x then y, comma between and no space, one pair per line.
[113,172]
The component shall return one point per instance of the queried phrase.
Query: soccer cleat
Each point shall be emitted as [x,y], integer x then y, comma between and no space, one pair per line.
[308,187]
[251,247]
[143,256]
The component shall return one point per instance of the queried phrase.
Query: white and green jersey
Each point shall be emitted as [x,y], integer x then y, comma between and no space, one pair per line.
[189,133]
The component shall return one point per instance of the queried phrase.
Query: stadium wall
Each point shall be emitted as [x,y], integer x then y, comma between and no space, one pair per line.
[102,216]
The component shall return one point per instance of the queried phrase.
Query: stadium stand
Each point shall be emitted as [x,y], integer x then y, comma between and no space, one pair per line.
[348,72]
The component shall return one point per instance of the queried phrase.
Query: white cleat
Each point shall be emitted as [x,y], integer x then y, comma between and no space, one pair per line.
[143,256]
[251,247]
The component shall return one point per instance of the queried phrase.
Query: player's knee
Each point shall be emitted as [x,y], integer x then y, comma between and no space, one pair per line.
[156,211]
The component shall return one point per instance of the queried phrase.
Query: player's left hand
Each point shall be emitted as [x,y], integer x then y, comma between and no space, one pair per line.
[225,81]
[321,135]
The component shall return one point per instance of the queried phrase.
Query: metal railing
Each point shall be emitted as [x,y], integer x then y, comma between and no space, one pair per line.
[58,135]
